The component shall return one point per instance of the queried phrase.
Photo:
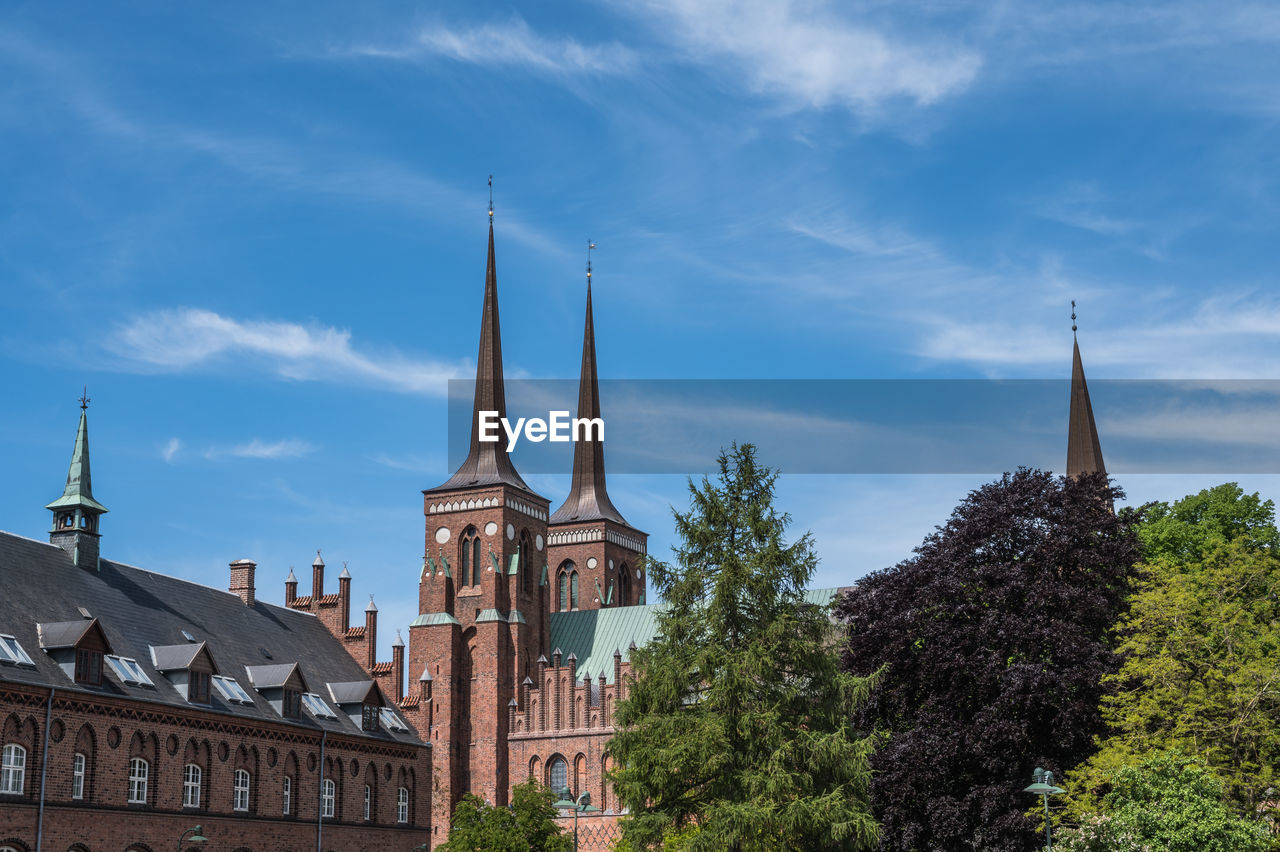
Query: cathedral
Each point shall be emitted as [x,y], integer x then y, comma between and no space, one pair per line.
[137,707]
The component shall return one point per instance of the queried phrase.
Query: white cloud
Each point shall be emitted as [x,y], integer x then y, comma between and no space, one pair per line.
[287,448]
[188,338]
[809,55]
[512,43]
[170,449]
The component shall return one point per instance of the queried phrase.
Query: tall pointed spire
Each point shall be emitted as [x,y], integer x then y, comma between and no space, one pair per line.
[487,463]
[1084,452]
[78,493]
[588,499]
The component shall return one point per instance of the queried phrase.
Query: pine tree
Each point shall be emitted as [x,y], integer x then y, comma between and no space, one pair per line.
[736,732]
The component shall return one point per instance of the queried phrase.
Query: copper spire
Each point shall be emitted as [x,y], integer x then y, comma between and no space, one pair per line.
[1084,453]
[588,499]
[487,463]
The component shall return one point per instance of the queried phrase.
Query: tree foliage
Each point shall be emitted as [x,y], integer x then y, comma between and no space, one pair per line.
[736,734]
[1169,803]
[527,826]
[1201,643]
[994,636]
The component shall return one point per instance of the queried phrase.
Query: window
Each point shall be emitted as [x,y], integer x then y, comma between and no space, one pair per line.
[391,720]
[78,764]
[402,805]
[139,769]
[562,600]
[89,667]
[369,718]
[368,802]
[240,792]
[231,690]
[624,585]
[475,561]
[191,786]
[326,799]
[13,770]
[11,651]
[573,590]
[129,671]
[291,707]
[317,706]
[558,775]
[287,795]
[198,688]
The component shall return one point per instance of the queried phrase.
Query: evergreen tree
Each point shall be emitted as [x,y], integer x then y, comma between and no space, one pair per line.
[527,826]
[736,732]
[994,642]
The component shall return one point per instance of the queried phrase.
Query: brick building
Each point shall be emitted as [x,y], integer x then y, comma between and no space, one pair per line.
[136,705]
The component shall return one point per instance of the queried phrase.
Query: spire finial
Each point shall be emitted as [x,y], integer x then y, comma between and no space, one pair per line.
[1073,317]
[490,198]
[84,398]
[590,247]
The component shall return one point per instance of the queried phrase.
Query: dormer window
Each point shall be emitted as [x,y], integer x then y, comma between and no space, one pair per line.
[89,667]
[231,690]
[292,706]
[317,706]
[284,688]
[198,687]
[129,671]
[11,651]
[369,720]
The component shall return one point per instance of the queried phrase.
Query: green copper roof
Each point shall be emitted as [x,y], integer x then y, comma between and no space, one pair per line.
[594,634]
[431,619]
[79,491]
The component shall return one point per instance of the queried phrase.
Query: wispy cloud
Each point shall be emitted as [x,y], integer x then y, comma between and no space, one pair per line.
[288,448]
[810,55]
[190,338]
[170,450]
[512,43]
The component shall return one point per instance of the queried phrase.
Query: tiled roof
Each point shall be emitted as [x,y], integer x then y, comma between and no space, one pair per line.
[594,634]
[355,632]
[382,668]
[138,609]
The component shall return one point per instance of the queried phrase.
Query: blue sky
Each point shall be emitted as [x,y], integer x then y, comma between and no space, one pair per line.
[258,236]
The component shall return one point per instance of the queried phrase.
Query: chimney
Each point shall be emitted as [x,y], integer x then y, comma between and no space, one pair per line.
[397,667]
[242,579]
[290,588]
[371,633]
[344,597]
[317,580]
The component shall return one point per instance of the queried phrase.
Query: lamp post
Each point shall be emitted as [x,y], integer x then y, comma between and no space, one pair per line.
[582,804]
[1042,785]
[197,837]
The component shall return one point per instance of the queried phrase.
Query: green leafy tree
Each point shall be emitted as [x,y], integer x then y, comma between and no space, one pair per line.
[527,826]
[736,732]
[1200,646]
[1169,803]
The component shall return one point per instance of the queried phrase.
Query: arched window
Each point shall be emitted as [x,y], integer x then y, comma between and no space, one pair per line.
[557,774]
[567,584]
[624,585]
[477,561]
[139,771]
[562,599]
[78,765]
[240,791]
[368,802]
[472,561]
[526,549]
[573,590]
[402,805]
[13,770]
[327,796]
[191,776]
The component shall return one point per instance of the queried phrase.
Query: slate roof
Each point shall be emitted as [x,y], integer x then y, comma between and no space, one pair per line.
[168,658]
[62,634]
[594,634]
[138,609]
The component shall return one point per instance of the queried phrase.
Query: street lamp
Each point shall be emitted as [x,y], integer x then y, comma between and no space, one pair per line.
[1042,785]
[197,837]
[582,804]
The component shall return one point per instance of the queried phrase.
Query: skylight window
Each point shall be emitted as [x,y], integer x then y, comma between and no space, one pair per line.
[317,706]
[128,670]
[11,651]
[392,720]
[231,689]
[186,634]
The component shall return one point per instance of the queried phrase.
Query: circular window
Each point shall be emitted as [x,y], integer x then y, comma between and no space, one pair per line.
[491,528]
[442,535]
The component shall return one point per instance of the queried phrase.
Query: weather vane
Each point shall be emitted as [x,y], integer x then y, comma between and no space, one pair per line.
[590,247]
[491,198]
[1073,317]
[84,398]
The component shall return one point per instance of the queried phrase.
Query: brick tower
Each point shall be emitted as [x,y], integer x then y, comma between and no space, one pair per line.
[594,556]
[481,596]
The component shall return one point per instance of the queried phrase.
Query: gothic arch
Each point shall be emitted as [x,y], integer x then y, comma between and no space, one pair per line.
[86,743]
